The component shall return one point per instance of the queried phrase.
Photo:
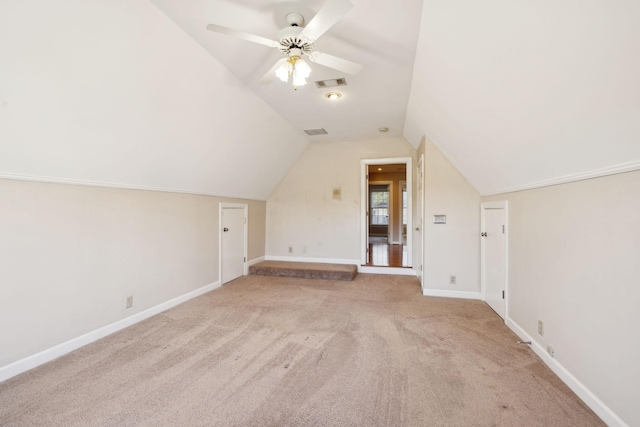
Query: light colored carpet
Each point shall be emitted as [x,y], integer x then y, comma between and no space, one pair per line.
[270,351]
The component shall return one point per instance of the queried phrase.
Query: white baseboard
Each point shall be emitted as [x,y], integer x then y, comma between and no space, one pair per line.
[398,271]
[54,352]
[255,261]
[451,294]
[590,399]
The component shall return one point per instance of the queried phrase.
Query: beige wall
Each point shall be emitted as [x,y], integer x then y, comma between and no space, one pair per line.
[452,248]
[301,212]
[574,263]
[71,254]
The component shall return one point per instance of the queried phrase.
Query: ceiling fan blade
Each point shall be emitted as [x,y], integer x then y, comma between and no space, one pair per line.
[242,35]
[271,74]
[331,12]
[336,63]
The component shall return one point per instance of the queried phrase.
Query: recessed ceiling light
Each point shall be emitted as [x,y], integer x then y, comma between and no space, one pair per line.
[383,129]
[333,96]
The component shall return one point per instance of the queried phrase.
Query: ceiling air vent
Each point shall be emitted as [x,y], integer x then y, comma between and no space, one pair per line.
[331,83]
[316,131]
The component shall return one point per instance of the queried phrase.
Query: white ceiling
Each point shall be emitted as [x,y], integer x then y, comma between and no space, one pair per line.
[379,34]
[520,94]
[114,93]
[515,94]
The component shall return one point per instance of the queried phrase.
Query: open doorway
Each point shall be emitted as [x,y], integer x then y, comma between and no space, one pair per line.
[386,213]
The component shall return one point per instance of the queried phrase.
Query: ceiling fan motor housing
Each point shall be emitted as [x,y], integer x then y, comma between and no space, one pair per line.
[289,38]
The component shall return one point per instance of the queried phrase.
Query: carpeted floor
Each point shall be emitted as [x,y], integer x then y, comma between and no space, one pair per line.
[270,351]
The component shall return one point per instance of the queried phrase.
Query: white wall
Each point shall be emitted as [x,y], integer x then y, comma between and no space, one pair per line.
[301,211]
[114,92]
[574,253]
[452,248]
[70,255]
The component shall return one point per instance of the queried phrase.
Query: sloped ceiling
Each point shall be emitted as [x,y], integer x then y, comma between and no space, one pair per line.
[114,93]
[528,93]
[515,94]
[379,34]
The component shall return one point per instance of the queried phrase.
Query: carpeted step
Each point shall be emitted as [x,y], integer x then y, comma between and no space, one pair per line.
[305,270]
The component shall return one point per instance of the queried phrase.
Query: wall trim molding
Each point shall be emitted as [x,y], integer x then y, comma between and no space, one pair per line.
[87,183]
[596,173]
[451,294]
[590,399]
[398,271]
[254,261]
[47,355]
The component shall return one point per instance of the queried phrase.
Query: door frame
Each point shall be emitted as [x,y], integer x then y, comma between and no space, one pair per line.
[419,219]
[245,208]
[500,204]
[364,204]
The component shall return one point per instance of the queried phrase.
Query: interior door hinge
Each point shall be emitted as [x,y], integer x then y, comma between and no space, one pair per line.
[502,294]
[245,260]
[503,229]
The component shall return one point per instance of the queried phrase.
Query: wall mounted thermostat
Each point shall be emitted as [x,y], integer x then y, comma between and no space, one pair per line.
[439,219]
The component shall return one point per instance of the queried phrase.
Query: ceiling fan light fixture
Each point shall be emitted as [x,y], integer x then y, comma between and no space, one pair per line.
[284,71]
[301,71]
[295,41]
[302,68]
[296,68]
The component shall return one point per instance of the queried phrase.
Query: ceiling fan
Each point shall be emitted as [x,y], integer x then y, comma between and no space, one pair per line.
[296,42]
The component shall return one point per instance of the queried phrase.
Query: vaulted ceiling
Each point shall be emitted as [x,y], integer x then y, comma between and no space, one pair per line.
[139,94]
[529,93]
[379,34]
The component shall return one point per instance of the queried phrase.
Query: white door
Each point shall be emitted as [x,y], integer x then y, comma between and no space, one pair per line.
[232,247]
[494,235]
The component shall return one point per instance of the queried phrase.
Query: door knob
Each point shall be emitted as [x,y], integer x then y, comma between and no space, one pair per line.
[225,229]
[483,234]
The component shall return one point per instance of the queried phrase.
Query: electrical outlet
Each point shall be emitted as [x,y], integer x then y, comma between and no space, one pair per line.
[452,280]
[551,351]
[540,328]
[304,249]
[290,249]
[129,301]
